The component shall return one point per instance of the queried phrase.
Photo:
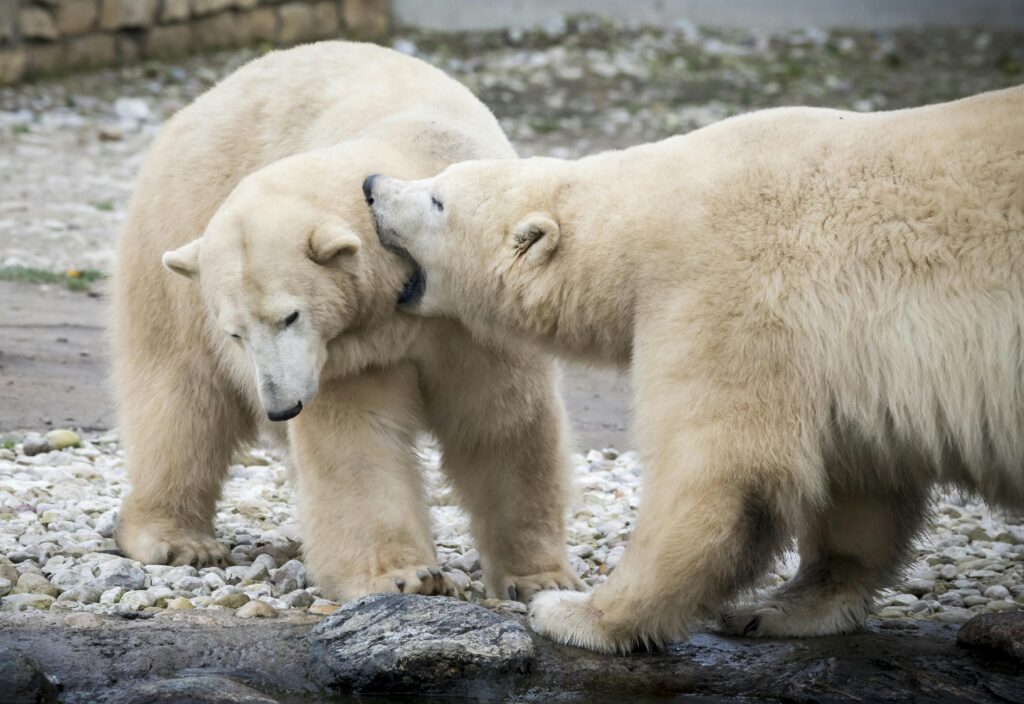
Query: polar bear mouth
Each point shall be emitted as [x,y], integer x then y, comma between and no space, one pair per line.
[415,283]
[414,286]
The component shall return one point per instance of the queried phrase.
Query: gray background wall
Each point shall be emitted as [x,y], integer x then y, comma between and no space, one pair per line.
[765,14]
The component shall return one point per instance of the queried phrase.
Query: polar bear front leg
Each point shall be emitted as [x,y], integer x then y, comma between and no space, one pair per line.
[717,501]
[501,425]
[180,427]
[365,526]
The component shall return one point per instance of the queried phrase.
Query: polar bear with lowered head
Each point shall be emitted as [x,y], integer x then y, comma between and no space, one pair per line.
[822,313]
[285,310]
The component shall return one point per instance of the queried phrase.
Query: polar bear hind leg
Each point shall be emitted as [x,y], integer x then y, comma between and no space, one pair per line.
[848,552]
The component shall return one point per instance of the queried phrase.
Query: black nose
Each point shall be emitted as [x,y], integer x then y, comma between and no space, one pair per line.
[368,188]
[285,415]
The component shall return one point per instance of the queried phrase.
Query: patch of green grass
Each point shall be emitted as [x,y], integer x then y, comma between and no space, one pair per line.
[1009,65]
[794,68]
[20,129]
[9,445]
[74,279]
[543,125]
[104,205]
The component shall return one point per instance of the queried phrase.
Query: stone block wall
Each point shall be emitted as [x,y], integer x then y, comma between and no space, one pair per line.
[40,37]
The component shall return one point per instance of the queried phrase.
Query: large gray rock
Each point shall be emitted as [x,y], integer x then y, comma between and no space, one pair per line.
[412,643]
[1002,631]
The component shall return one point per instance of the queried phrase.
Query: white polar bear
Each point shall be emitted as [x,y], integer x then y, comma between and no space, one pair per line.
[823,312]
[292,316]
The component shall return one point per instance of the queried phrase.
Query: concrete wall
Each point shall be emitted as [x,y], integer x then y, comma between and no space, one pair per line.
[764,14]
[40,37]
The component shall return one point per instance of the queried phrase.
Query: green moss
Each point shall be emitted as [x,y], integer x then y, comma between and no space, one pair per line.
[74,279]
[543,125]
[1010,66]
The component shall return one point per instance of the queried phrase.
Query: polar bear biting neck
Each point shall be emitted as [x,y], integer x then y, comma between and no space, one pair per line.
[823,312]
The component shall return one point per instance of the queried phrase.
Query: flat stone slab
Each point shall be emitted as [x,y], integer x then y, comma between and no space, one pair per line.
[419,644]
[434,646]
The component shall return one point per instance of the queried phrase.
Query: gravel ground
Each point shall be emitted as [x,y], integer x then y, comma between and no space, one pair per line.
[69,151]
[58,509]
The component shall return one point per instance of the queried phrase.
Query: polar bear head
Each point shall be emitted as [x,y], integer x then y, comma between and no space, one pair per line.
[481,234]
[283,271]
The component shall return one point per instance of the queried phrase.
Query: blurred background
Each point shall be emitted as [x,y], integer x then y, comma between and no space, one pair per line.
[86,84]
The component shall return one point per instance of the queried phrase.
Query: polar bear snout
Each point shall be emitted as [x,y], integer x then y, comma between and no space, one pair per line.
[286,414]
[368,188]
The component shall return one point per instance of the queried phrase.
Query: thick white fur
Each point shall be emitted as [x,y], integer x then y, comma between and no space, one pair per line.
[823,312]
[267,168]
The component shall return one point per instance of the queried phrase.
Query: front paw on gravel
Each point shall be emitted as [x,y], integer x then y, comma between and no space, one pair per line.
[525,587]
[425,580]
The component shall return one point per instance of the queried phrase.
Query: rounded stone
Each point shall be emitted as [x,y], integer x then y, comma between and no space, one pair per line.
[232,601]
[136,600]
[256,609]
[997,591]
[322,607]
[26,602]
[60,439]
[31,583]
[83,619]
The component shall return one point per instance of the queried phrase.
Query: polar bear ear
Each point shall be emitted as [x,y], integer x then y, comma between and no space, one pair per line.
[328,242]
[183,261]
[535,237]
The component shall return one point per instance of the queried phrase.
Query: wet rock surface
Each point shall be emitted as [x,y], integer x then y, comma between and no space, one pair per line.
[400,645]
[1003,632]
[205,689]
[418,644]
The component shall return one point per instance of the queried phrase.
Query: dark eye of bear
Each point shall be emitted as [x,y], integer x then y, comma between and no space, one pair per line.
[291,318]
[437,204]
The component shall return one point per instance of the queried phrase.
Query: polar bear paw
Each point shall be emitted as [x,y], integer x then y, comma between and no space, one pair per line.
[524,587]
[158,544]
[428,580]
[570,618]
[794,619]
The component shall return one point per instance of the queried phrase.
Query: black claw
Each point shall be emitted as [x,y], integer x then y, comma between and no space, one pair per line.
[422,574]
[752,625]
[400,583]
[434,572]
[513,593]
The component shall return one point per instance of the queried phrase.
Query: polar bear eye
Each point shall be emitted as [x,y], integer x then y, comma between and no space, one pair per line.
[235,336]
[291,318]
[438,205]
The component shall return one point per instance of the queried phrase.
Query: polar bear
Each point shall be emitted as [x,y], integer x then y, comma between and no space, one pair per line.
[823,313]
[285,310]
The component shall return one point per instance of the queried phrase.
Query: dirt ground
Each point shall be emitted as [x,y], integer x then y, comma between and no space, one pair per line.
[54,369]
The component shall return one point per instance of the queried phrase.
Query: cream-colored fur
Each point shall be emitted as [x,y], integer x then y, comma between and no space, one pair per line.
[823,314]
[266,167]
